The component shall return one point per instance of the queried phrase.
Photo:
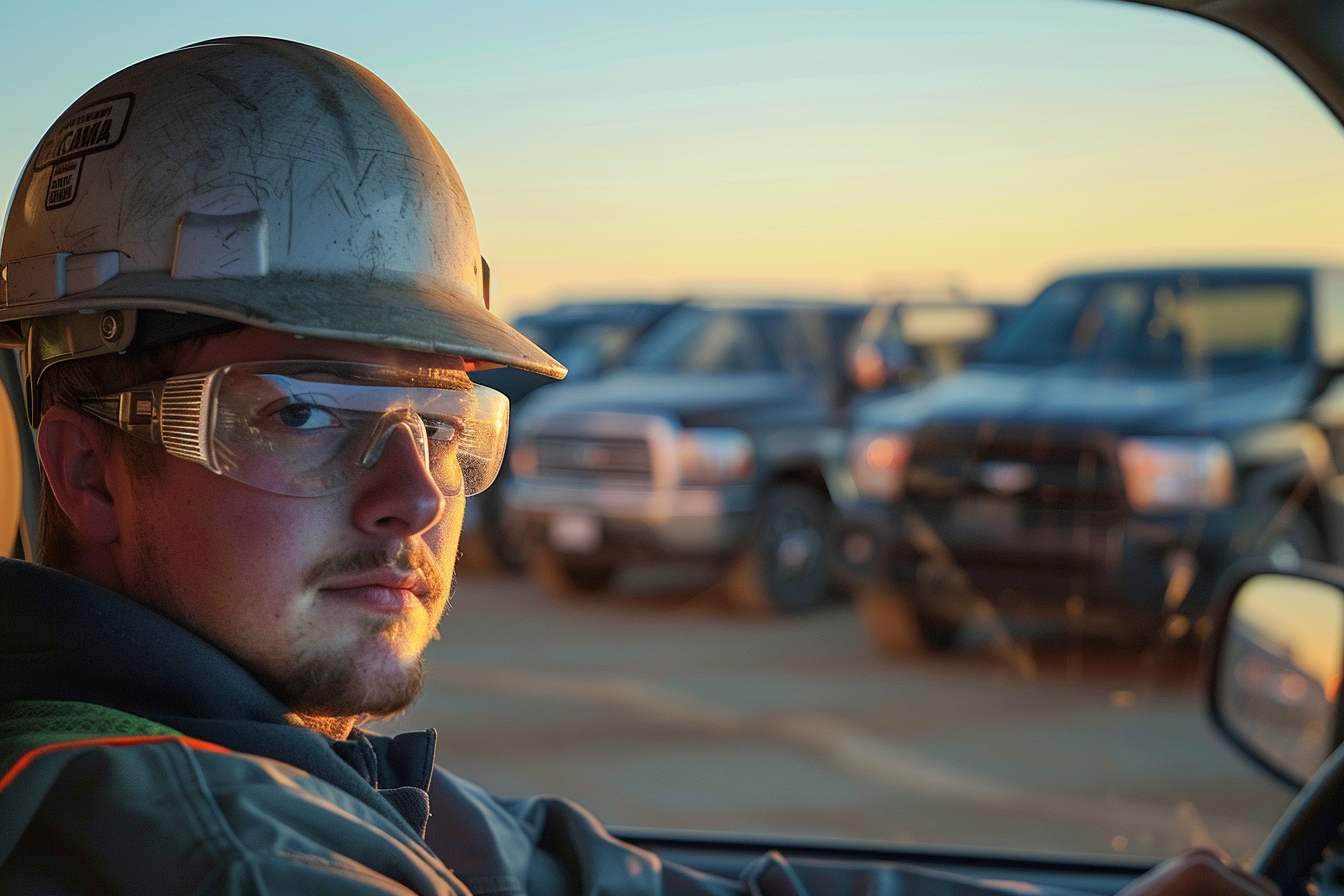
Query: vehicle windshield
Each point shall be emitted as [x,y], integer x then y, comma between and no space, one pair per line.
[1187,324]
[592,337]
[1017,666]
[695,339]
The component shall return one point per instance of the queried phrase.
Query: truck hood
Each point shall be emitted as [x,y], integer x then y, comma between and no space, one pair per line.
[1078,396]
[692,399]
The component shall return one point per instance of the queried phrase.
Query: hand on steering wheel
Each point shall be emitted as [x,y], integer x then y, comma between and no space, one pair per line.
[1200,872]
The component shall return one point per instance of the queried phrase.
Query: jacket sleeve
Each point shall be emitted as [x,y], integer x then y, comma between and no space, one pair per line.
[164,817]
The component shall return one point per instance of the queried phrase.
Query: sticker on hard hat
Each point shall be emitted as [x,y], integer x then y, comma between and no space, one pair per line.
[92,129]
[64,181]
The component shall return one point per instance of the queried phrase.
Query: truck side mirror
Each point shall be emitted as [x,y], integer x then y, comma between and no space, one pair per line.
[874,365]
[1278,653]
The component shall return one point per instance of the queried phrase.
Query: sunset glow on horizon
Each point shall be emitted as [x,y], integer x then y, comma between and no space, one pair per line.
[777,148]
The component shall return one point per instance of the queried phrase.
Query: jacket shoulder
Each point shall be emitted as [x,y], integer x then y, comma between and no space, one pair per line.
[165,813]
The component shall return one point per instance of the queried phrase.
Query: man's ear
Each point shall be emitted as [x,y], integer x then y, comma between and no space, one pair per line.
[75,453]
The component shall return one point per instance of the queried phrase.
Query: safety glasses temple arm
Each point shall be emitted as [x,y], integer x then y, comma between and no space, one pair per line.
[135,411]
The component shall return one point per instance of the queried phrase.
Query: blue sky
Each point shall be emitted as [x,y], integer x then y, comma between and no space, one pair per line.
[613,148]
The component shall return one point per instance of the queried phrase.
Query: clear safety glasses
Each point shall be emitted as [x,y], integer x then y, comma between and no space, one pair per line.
[307,428]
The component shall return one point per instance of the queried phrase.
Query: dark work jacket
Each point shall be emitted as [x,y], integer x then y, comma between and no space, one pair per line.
[198,780]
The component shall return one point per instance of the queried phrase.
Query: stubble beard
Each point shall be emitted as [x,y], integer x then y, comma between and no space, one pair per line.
[320,684]
[338,686]
[330,687]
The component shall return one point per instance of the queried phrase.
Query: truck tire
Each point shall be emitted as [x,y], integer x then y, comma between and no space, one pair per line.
[787,564]
[504,536]
[938,628]
[1297,539]
[569,578]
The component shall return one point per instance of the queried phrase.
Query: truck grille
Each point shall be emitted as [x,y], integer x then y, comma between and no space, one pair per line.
[626,461]
[1044,468]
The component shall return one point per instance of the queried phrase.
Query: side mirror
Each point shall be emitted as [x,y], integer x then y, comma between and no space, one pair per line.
[874,365]
[1278,653]
[950,324]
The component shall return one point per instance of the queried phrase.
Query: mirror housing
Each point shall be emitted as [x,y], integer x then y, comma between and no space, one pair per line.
[950,324]
[1275,666]
[876,365]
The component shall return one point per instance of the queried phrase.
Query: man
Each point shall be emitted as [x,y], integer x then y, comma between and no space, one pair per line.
[246,284]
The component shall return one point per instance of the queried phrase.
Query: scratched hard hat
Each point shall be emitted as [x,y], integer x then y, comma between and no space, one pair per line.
[260,181]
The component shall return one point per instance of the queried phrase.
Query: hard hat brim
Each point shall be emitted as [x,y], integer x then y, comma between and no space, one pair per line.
[336,307]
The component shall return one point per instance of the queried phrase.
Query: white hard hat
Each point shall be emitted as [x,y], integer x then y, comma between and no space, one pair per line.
[252,180]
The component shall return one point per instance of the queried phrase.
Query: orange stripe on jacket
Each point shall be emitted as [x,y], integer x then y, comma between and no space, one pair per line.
[27,758]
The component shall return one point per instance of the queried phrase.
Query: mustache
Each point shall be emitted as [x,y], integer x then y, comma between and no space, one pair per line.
[407,557]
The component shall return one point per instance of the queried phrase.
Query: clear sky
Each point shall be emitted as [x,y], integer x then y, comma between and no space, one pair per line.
[800,148]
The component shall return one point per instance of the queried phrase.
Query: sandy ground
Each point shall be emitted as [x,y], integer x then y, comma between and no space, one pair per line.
[655,707]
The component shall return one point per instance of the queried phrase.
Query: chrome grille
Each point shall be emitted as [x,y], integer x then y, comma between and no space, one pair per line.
[623,460]
[1063,469]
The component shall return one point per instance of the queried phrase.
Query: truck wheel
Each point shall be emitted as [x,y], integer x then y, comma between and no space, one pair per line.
[787,566]
[503,534]
[569,578]
[1297,539]
[937,627]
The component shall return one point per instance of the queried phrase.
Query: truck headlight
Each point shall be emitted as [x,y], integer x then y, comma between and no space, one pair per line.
[877,462]
[715,456]
[1177,474]
[523,460]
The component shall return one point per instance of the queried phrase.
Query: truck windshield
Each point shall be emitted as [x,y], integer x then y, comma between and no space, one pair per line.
[1195,326]
[694,339]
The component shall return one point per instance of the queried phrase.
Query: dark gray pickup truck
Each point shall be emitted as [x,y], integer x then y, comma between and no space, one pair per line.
[721,438]
[1123,440]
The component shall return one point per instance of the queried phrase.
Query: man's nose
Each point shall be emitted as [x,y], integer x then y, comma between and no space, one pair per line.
[399,495]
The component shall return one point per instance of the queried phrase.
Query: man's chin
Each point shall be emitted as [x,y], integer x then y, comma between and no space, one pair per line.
[348,689]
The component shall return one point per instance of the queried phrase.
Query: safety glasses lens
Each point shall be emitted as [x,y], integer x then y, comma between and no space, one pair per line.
[310,432]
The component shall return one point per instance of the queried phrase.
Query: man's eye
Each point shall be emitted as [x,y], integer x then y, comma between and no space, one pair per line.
[306,416]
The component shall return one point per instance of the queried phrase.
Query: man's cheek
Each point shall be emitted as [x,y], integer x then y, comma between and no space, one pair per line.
[450,530]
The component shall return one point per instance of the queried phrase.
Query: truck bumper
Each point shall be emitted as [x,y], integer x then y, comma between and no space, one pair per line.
[1120,567]
[619,523]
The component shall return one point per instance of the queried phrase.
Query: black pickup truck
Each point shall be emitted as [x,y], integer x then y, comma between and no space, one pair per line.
[1117,445]
[720,438]
[589,338]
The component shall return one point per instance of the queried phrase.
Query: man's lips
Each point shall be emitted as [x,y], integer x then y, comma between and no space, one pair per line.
[383,590]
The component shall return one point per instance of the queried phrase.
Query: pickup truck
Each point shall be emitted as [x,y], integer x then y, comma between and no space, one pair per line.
[589,338]
[1115,448]
[721,438]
